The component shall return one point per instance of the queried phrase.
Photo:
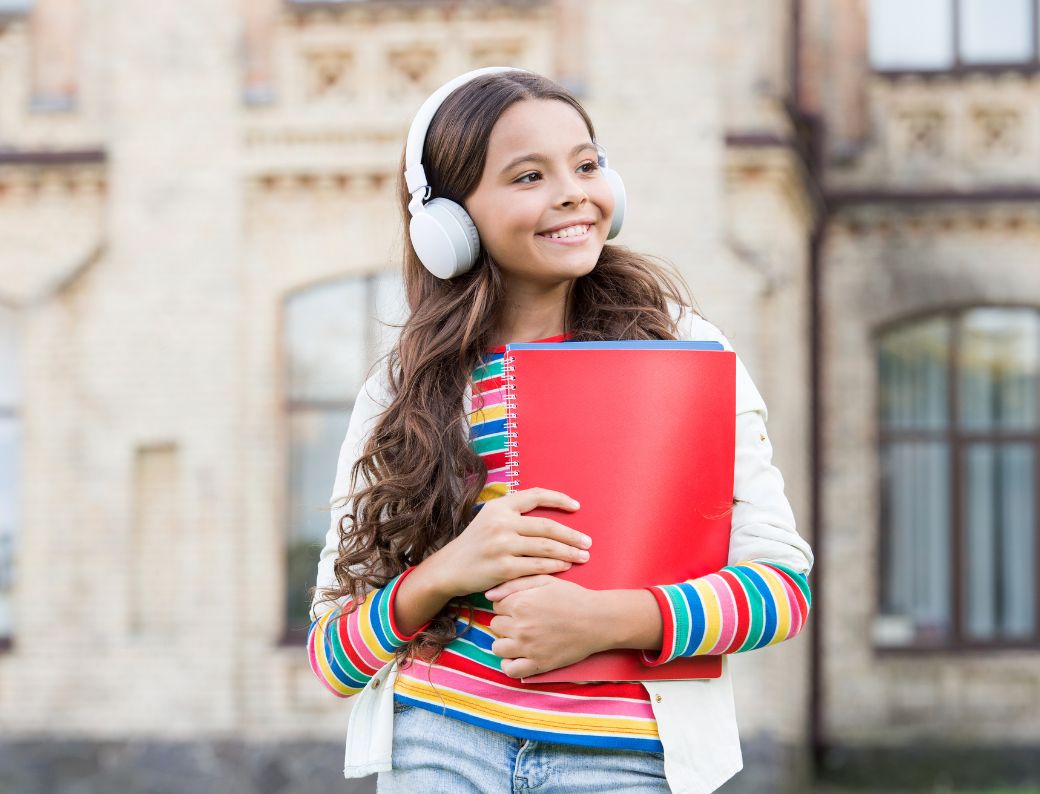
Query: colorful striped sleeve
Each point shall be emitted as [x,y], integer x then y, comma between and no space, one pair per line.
[345,652]
[744,606]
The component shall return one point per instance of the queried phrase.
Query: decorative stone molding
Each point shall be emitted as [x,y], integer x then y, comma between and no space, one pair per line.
[997,131]
[411,71]
[935,219]
[346,78]
[52,224]
[948,132]
[330,74]
[919,132]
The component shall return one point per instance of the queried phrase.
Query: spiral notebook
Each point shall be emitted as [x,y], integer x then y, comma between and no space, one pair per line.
[642,434]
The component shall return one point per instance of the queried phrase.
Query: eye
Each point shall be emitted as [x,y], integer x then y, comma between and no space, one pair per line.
[594,167]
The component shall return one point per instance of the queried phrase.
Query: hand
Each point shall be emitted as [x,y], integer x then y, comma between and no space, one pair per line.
[501,544]
[543,622]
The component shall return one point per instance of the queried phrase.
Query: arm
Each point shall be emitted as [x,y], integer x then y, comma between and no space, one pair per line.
[762,596]
[346,650]
[742,607]
[347,647]
[741,611]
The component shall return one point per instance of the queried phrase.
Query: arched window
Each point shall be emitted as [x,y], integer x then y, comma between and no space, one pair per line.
[333,333]
[9,464]
[959,447]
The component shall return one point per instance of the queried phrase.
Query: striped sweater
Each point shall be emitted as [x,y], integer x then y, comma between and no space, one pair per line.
[744,606]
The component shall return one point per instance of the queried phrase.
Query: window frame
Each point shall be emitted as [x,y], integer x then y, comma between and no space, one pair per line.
[957,440]
[961,67]
[370,342]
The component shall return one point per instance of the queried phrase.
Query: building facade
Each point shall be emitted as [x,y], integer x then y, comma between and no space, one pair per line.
[201,243]
[929,143]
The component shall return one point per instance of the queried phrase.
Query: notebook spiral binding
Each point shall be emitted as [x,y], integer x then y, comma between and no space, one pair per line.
[512,451]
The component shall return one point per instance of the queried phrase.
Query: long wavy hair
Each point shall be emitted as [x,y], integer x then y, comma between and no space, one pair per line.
[421,477]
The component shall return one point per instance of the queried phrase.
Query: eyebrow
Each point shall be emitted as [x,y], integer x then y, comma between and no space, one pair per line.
[536,157]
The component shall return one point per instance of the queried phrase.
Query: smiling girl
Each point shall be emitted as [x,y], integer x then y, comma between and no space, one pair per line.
[433,583]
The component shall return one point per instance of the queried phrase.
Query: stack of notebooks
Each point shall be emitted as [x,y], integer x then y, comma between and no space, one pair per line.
[642,434]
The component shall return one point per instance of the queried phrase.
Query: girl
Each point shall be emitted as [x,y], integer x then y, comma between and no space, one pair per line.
[435,586]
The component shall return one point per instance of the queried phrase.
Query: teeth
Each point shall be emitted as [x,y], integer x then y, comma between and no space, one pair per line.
[570,231]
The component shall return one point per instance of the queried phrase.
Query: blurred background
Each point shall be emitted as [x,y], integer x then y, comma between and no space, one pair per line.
[199,254]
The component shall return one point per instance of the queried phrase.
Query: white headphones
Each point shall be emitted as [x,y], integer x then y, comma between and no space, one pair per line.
[443,235]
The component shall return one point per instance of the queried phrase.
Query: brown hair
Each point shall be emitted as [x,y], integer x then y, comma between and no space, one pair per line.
[423,477]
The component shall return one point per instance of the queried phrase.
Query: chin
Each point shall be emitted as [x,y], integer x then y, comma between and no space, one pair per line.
[583,270]
[564,268]
[591,265]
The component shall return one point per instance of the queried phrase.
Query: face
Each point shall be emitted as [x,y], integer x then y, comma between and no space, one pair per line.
[541,173]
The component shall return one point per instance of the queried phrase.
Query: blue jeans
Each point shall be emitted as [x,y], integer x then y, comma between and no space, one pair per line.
[435,754]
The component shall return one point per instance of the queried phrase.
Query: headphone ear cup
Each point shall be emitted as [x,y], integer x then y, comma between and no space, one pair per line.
[617,187]
[444,238]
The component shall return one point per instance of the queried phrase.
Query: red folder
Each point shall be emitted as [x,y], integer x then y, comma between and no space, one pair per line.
[642,434]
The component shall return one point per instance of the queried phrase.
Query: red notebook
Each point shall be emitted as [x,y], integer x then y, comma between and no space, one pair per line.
[642,434]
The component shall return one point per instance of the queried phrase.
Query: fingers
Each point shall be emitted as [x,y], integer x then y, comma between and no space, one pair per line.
[506,648]
[518,668]
[546,547]
[530,566]
[504,544]
[534,526]
[513,664]
[530,498]
[515,586]
[500,626]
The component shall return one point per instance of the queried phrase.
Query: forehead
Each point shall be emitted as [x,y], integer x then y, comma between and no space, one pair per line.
[536,125]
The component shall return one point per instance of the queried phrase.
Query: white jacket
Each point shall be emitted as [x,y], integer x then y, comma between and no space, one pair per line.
[696,718]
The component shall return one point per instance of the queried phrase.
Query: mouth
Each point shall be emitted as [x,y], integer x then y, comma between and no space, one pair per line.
[572,237]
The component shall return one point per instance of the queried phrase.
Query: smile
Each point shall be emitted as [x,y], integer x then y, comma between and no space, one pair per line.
[572,235]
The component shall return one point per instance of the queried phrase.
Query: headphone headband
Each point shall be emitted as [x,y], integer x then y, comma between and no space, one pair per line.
[414,173]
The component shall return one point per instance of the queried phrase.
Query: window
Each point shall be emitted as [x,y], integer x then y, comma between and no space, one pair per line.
[333,334]
[959,443]
[944,35]
[9,456]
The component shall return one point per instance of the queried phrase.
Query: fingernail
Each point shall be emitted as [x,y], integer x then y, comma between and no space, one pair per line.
[586,541]
[575,503]
[583,555]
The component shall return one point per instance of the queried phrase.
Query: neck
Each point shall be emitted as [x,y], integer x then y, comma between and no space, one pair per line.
[526,318]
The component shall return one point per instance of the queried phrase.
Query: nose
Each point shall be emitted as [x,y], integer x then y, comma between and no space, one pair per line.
[572,193]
